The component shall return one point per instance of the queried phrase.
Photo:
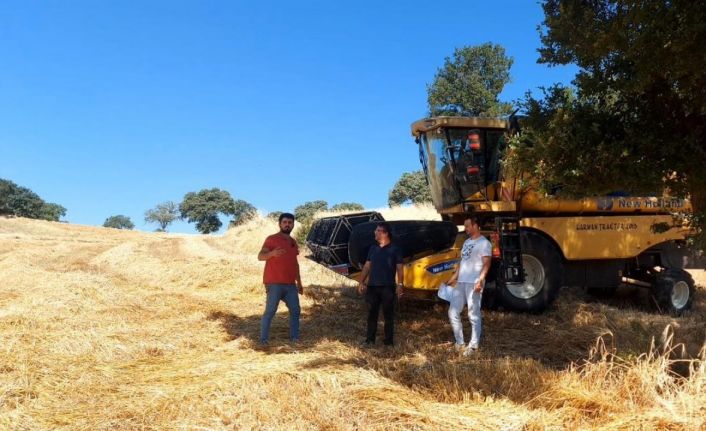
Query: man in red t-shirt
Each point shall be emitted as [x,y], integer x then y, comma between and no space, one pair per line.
[281,278]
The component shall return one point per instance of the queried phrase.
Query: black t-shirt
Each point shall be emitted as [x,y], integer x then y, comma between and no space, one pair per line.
[383,264]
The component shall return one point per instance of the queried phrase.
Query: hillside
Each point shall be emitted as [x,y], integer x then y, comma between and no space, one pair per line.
[102,329]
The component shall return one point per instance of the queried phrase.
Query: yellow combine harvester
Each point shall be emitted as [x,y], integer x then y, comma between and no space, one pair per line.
[540,243]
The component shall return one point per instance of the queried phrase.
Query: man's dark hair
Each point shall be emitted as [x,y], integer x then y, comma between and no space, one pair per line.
[286,215]
[473,219]
[386,228]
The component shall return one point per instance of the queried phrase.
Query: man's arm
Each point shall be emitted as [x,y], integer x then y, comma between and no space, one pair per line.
[300,287]
[265,253]
[364,278]
[483,272]
[400,280]
[454,278]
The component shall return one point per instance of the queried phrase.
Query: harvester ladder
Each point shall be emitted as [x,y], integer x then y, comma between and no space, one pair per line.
[511,270]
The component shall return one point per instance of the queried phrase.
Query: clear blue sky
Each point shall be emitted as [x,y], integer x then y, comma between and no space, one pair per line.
[112,107]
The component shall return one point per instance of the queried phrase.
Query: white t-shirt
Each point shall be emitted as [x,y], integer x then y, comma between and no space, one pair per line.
[472,254]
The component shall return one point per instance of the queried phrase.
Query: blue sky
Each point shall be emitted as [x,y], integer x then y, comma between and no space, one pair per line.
[113,107]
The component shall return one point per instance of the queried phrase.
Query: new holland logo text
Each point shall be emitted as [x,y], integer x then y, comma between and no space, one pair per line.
[441,267]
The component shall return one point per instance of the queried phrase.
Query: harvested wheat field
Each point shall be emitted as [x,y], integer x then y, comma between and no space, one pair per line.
[103,329]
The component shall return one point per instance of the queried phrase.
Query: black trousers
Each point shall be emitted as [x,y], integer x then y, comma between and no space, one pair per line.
[376,296]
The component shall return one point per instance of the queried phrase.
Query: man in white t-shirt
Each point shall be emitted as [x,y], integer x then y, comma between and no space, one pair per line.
[469,279]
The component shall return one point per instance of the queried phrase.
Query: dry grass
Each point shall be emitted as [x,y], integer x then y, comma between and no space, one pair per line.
[103,329]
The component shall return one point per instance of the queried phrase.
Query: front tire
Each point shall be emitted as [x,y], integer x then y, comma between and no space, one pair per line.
[673,291]
[544,274]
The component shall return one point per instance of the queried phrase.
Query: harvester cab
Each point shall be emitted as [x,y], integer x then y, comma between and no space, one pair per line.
[461,158]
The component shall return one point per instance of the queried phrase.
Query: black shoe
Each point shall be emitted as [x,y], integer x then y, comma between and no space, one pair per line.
[368,343]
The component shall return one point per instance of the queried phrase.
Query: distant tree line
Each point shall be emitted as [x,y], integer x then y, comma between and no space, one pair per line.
[20,201]
[203,208]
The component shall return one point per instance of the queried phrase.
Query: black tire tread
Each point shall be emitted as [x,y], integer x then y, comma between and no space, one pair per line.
[661,290]
[537,245]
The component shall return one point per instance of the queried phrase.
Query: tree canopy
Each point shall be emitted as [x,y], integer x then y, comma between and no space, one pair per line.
[51,211]
[411,187]
[306,211]
[204,206]
[242,212]
[119,222]
[469,83]
[163,214]
[22,202]
[348,206]
[274,215]
[636,119]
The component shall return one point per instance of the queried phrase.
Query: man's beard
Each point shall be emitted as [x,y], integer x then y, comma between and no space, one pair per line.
[285,230]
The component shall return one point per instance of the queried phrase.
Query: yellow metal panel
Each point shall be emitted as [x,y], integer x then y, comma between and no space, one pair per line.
[428,272]
[456,209]
[481,206]
[419,274]
[427,124]
[605,237]
[533,201]
[492,206]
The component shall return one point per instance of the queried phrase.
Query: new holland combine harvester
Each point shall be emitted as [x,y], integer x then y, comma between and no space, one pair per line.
[540,243]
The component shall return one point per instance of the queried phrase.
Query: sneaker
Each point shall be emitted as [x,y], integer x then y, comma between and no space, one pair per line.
[367,343]
[470,351]
[294,341]
[459,347]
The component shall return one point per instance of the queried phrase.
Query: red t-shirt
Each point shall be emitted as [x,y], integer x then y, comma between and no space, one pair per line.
[281,269]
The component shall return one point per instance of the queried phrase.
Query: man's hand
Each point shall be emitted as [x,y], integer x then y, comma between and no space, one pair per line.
[362,287]
[452,281]
[279,251]
[479,286]
[300,288]
[400,291]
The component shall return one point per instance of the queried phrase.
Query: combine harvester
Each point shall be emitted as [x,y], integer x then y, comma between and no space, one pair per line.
[540,243]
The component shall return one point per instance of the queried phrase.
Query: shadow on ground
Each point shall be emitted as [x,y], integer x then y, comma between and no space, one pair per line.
[517,349]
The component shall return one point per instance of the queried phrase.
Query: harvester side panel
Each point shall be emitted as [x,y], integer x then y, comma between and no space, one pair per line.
[605,237]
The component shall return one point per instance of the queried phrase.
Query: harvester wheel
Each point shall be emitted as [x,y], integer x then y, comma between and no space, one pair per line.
[673,291]
[544,274]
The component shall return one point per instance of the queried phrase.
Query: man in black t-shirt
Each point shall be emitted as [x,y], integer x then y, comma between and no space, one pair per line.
[378,283]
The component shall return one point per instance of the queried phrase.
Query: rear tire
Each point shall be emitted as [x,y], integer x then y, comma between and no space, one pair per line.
[673,291]
[544,274]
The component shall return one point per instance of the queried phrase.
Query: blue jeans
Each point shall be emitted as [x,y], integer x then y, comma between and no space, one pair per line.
[466,295]
[275,293]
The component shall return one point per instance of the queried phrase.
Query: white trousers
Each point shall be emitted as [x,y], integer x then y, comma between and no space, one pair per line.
[466,295]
